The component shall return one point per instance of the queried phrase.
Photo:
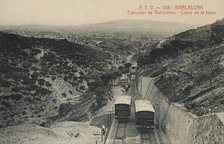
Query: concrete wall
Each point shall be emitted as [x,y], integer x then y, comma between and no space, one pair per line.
[179,126]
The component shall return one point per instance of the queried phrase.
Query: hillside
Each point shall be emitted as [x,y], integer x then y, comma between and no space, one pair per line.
[40,74]
[60,133]
[189,68]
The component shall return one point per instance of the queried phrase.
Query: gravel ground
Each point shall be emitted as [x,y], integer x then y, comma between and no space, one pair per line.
[60,133]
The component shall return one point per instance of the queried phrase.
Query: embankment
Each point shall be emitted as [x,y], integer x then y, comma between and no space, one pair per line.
[178,125]
[102,119]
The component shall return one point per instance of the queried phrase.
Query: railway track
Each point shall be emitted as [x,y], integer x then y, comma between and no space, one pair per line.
[145,138]
[75,114]
[120,133]
[148,137]
[78,112]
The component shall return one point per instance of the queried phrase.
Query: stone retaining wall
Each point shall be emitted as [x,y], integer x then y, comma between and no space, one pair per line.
[180,126]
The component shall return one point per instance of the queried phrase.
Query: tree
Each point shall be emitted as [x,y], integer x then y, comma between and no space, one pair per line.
[107,77]
[123,69]
[100,93]
[127,65]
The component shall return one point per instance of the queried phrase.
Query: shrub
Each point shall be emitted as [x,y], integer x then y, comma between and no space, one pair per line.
[32,87]
[6,104]
[70,91]
[81,73]
[65,108]
[82,88]
[54,100]
[48,84]
[41,82]
[43,91]
[16,97]
[75,78]
[27,64]
[44,71]
[24,113]
[66,78]
[28,81]
[53,78]
[63,94]
[35,75]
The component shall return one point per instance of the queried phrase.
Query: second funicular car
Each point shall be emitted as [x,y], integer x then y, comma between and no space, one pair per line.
[144,114]
[123,108]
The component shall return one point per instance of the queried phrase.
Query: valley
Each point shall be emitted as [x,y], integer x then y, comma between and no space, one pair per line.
[58,78]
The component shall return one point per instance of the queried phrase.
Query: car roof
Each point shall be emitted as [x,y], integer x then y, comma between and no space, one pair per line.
[123,100]
[143,105]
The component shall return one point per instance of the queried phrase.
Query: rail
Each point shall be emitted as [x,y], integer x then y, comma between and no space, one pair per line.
[110,120]
[148,137]
[76,113]
[120,133]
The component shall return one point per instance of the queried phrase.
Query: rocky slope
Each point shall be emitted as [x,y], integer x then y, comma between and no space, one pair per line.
[39,74]
[189,68]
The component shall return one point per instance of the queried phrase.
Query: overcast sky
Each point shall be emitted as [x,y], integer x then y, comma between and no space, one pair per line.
[76,12]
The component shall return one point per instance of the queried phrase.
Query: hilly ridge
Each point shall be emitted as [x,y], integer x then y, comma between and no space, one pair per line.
[138,26]
[123,25]
[188,68]
[40,74]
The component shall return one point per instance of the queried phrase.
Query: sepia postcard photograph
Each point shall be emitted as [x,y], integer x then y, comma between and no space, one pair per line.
[111,71]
